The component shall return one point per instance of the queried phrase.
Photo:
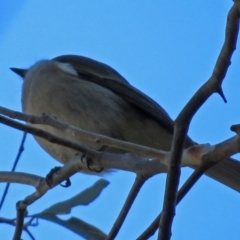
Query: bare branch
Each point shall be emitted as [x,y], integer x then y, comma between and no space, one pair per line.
[129,162]
[163,156]
[21,209]
[20,150]
[93,137]
[28,232]
[196,175]
[20,177]
[139,181]
[185,116]
[111,160]
[8,221]
[48,136]
[12,222]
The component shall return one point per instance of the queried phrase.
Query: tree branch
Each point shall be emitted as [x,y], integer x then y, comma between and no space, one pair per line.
[21,209]
[83,134]
[196,175]
[20,177]
[138,183]
[20,150]
[183,120]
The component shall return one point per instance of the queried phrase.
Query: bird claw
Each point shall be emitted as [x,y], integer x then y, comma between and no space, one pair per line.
[90,165]
[66,184]
[49,177]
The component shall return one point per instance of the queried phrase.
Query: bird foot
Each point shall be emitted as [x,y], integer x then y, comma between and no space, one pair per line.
[49,177]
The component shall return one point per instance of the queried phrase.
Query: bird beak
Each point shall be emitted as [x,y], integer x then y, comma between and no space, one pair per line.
[20,72]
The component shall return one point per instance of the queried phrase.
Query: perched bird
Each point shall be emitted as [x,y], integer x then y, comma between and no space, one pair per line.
[93,96]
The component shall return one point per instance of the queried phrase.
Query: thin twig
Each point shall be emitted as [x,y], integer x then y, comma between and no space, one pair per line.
[20,177]
[139,181]
[48,136]
[8,221]
[83,134]
[183,120]
[191,181]
[21,209]
[20,150]
[29,233]
[12,222]
[29,222]
[128,161]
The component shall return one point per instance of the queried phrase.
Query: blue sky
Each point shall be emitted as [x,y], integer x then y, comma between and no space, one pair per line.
[167,49]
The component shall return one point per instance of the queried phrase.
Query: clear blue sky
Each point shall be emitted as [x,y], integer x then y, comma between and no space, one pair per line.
[167,49]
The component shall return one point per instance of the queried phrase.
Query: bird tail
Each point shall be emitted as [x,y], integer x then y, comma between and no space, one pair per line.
[226,172]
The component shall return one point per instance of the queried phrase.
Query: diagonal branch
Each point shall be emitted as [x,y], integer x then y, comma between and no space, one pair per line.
[156,161]
[83,134]
[196,175]
[138,183]
[209,160]
[21,209]
[48,136]
[20,150]
[183,120]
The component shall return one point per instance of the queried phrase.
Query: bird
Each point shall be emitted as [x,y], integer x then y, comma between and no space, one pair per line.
[93,96]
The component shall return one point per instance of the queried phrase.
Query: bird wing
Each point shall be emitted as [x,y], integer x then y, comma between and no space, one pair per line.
[107,77]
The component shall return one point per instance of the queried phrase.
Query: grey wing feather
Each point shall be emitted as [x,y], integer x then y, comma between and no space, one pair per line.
[91,67]
[227,172]
[106,76]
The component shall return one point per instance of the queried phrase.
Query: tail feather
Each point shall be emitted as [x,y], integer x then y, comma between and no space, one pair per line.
[227,172]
